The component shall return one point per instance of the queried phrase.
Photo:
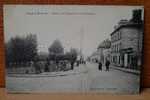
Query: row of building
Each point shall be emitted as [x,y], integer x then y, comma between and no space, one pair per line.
[124,48]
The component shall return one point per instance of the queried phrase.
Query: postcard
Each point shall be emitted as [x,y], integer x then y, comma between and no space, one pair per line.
[73,48]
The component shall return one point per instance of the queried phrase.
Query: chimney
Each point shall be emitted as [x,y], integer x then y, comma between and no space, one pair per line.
[137,15]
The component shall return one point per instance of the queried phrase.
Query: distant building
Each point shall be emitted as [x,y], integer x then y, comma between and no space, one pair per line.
[104,47]
[126,42]
[95,57]
[107,54]
[103,52]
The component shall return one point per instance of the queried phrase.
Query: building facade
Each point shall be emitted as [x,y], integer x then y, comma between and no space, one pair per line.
[126,43]
[104,50]
[96,56]
[107,54]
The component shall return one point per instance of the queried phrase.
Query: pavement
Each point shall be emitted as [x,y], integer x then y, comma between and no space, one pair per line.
[112,81]
[85,78]
[76,70]
[126,70]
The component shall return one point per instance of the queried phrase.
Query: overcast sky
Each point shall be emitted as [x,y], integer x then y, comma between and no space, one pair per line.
[69,24]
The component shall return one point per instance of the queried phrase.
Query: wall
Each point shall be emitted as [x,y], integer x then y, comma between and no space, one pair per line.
[129,38]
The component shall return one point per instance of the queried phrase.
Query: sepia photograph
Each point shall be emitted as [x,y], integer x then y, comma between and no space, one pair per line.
[73,48]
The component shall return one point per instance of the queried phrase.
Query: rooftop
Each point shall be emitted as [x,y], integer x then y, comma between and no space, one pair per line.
[126,23]
[105,44]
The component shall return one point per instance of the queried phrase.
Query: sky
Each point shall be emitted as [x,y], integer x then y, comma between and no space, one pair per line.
[75,26]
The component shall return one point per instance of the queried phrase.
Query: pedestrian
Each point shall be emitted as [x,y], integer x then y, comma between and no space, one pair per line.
[72,65]
[100,66]
[46,68]
[78,62]
[107,65]
[37,67]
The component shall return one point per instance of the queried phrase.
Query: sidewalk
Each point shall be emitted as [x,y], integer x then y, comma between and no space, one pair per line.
[76,70]
[126,70]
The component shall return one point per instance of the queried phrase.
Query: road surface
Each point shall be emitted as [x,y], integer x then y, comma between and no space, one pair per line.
[92,80]
[111,81]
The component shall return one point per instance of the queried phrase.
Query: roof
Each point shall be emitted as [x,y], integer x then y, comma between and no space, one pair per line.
[105,44]
[125,23]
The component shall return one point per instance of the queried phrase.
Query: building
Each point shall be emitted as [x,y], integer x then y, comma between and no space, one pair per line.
[95,57]
[104,48]
[126,42]
[102,53]
[106,54]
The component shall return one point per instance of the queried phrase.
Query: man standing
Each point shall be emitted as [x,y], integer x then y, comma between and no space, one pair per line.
[100,66]
[107,65]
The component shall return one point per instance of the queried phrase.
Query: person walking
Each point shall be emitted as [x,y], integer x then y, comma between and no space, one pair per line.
[46,68]
[72,65]
[107,65]
[100,66]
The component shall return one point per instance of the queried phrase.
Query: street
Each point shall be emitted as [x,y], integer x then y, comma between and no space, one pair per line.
[111,81]
[90,80]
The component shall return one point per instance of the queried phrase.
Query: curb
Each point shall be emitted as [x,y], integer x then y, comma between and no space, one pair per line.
[47,75]
[127,70]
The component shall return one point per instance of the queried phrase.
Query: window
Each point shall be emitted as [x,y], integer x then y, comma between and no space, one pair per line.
[119,59]
[120,46]
[119,34]
[117,47]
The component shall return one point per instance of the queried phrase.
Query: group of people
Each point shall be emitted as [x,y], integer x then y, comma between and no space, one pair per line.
[107,63]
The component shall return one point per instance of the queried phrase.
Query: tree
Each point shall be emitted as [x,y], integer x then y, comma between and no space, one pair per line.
[21,49]
[73,53]
[56,48]
[9,53]
[72,56]
[30,47]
